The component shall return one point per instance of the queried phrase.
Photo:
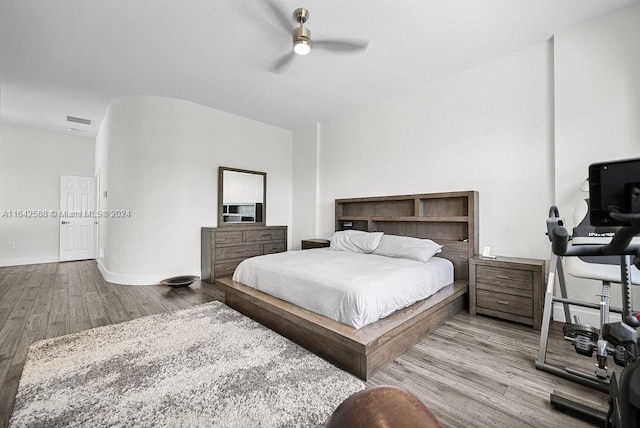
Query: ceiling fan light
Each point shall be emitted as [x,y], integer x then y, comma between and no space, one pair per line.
[301,47]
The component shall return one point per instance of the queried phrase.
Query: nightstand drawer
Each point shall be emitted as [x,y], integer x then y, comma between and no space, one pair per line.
[505,289]
[238,251]
[504,277]
[508,303]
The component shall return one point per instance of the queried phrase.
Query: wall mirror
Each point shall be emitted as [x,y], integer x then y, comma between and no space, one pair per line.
[242,196]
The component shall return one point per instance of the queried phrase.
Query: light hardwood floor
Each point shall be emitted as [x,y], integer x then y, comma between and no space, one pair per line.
[471,371]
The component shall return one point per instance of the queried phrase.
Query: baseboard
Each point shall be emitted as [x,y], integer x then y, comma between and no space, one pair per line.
[587,316]
[20,261]
[143,279]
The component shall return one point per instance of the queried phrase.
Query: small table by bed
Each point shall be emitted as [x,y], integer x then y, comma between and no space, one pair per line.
[507,287]
[308,244]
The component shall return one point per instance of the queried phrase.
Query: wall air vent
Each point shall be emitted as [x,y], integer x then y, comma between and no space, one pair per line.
[79,120]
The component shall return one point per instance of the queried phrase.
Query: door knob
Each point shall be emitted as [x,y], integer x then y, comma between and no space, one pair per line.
[65,222]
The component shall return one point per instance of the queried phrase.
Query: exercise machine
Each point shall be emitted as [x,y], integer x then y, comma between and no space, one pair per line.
[614,217]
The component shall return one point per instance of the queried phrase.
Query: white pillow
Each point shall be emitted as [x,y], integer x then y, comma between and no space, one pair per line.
[355,241]
[406,247]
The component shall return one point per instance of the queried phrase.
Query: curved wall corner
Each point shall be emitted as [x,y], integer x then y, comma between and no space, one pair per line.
[157,159]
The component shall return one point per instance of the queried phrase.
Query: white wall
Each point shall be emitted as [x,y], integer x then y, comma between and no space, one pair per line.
[597,98]
[159,158]
[305,184]
[521,130]
[597,110]
[487,129]
[31,163]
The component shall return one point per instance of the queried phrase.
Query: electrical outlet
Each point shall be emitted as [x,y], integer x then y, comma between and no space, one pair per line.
[12,245]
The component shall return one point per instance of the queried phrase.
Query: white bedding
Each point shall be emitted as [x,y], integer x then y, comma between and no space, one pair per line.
[352,288]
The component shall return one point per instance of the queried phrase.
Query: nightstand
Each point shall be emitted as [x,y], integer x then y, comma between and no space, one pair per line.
[308,244]
[508,288]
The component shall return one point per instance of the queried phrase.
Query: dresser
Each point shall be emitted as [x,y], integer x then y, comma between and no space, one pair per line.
[508,288]
[222,249]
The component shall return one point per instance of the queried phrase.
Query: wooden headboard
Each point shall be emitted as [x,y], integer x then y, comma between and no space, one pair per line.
[450,219]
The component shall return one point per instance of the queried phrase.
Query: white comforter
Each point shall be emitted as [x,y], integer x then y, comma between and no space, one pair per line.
[352,288]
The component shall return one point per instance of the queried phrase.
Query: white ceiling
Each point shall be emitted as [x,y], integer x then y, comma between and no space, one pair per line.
[72,57]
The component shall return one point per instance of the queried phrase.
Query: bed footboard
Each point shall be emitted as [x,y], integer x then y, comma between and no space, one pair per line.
[359,351]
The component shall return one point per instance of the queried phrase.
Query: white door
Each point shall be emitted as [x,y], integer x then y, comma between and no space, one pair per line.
[77,217]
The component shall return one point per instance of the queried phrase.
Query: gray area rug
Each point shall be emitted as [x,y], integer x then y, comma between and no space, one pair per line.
[204,366]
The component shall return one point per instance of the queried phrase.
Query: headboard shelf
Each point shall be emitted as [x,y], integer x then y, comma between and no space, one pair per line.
[452,219]
[449,218]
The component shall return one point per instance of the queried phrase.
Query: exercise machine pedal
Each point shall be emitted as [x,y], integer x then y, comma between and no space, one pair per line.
[584,337]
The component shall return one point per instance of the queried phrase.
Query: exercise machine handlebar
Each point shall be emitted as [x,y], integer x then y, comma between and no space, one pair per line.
[620,243]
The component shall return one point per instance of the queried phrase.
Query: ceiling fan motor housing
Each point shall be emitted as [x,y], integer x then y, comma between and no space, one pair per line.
[301,34]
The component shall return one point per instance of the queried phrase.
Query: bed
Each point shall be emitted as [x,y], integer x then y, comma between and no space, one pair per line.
[448,218]
[349,287]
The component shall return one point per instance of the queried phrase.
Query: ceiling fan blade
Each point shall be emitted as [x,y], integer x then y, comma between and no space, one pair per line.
[283,62]
[283,19]
[340,45]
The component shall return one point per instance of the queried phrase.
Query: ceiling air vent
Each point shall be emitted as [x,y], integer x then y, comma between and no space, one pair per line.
[79,120]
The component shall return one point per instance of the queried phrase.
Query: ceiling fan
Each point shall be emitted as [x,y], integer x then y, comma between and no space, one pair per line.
[302,42]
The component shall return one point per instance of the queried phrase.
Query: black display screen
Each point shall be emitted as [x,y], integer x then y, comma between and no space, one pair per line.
[613,184]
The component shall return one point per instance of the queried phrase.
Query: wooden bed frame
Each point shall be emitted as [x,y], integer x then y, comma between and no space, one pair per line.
[448,218]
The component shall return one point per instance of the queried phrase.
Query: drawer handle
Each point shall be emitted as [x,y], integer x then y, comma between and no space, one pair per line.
[502,302]
[240,251]
[502,277]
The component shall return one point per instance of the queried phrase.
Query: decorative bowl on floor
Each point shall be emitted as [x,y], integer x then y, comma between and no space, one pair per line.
[180,281]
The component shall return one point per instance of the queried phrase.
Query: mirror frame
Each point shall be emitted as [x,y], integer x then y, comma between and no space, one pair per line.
[221,171]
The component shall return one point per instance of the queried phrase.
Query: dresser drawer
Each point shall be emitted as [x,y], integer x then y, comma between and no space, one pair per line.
[508,303]
[225,269]
[513,278]
[270,248]
[238,251]
[264,235]
[230,237]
